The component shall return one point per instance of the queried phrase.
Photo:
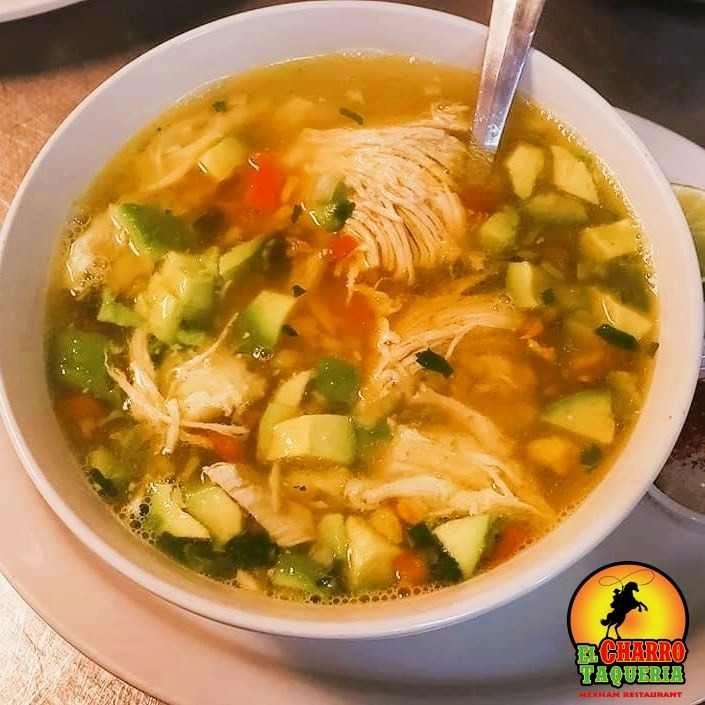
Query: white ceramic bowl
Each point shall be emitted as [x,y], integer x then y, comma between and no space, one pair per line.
[146,87]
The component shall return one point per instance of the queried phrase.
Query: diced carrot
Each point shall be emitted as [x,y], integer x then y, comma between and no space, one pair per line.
[80,413]
[353,313]
[227,448]
[533,327]
[482,199]
[410,568]
[342,246]
[513,538]
[411,511]
[264,183]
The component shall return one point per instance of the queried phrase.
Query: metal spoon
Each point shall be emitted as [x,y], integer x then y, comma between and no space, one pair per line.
[512,27]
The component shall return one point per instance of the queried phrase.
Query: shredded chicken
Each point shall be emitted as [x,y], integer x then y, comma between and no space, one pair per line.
[439,323]
[290,525]
[403,180]
[481,427]
[208,385]
[451,472]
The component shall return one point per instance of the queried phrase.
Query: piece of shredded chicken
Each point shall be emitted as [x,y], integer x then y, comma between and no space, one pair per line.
[288,523]
[403,180]
[438,323]
[451,472]
[204,387]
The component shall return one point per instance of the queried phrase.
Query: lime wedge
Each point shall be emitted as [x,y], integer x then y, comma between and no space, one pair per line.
[692,200]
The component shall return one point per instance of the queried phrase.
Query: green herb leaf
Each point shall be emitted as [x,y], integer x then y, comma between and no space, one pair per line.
[352,115]
[296,212]
[433,362]
[288,330]
[616,337]
[548,297]
[652,348]
[297,291]
[219,106]
[591,456]
[105,486]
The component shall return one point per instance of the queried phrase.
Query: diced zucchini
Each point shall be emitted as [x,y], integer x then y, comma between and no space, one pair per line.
[464,540]
[326,437]
[625,393]
[588,414]
[78,360]
[337,381]
[525,282]
[191,337]
[236,260]
[154,230]
[607,309]
[296,571]
[498,232]
[223,158]
[284,405]
[112,311]
[558,454]
[216,510]
[181,291]
[555,209]
[572,175]
[261,322]
[524,166]
[332,542]
[571,297]
[115,476]
[369,557]
[166,514]
[604,242]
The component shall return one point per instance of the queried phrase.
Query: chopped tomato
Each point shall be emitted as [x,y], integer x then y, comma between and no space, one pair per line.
[354,313]
[264,183]
[341,246]
[482,199]
[227,448]
[410,568]
[513,538]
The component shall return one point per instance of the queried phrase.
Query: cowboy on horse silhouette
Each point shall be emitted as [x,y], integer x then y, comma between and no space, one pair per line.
[622,604]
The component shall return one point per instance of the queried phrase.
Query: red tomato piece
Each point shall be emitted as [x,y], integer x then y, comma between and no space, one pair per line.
[342,246]
[264,183]
[227,448]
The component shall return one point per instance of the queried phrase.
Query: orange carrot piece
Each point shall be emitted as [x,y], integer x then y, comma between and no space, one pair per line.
[227,448]
[410,568]
[513,538]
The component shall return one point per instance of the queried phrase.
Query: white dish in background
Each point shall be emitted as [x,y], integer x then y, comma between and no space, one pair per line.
[519,653]
[17,9]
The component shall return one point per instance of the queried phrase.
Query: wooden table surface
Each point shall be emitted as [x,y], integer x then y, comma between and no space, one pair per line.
[644,56]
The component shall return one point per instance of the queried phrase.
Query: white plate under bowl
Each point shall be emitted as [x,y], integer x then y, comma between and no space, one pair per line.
[520,653]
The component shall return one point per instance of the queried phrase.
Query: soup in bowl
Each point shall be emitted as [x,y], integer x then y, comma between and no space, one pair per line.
[305,340]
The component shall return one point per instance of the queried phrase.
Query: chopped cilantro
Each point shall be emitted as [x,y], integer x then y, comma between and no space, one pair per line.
[219,106]
[616,337]
[433,362]
[351,115]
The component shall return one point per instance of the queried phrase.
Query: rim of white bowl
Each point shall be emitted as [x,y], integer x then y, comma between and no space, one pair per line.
[522,575]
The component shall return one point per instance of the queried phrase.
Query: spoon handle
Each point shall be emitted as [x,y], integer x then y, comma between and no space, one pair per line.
[512,27]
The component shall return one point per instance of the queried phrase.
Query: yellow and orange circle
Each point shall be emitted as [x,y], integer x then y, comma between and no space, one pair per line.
[665,615]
